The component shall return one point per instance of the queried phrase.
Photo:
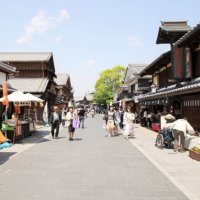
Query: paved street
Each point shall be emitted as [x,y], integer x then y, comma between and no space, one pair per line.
[91,167]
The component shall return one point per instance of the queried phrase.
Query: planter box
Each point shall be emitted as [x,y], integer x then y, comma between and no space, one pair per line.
[194,155]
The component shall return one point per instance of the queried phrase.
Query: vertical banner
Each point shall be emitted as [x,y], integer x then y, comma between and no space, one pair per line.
[45,113]
[188,63]
[182,63]
[178,67]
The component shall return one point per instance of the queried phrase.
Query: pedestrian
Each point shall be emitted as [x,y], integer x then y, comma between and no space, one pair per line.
[70,117]
[179,128]
[93,112]
[105,118]
[111,122]
[117,120]
[144,118]
[129,116]
[55,122]
[81,115]
[121,112]
[63,115]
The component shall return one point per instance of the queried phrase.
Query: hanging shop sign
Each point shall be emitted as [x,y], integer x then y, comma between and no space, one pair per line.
[154,102]
[22,103]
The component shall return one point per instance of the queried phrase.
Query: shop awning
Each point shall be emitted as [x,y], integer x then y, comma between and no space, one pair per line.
[178,89]
[21,97]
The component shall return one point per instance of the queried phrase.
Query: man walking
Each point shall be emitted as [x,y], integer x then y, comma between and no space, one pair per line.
[81,115]
[55,122]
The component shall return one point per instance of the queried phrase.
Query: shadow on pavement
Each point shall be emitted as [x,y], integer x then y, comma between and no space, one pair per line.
[78,139]
[60,138]
[4,156]
[35,137]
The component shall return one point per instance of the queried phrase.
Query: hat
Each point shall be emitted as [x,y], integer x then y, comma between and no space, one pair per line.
[169,116]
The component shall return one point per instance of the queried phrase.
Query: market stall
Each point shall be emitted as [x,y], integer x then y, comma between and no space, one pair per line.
[21,123]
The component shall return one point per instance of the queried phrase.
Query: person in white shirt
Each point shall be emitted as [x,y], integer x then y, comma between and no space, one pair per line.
[179,129]
[71,115]
[129,117]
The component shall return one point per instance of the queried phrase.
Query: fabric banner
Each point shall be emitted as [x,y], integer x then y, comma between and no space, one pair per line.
[182,63]
[188,63]
[45,113]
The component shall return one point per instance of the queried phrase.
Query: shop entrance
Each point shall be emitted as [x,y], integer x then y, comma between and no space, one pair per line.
[191,109]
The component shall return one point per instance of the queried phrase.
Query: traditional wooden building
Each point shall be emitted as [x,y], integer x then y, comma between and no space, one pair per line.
[180,91]
[64,94]
[170,31]
[90,97]
[33,68]
[187,63]
[134,85]
[161,71]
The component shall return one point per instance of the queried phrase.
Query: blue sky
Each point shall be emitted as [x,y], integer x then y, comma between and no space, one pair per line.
[88,36]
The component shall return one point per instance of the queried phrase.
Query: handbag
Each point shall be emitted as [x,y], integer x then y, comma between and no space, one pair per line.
[75,123]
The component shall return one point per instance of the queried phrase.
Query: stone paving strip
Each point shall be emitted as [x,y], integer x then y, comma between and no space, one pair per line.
[178,167]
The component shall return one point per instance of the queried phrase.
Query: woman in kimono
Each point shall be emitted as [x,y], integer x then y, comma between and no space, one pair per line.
[129,117]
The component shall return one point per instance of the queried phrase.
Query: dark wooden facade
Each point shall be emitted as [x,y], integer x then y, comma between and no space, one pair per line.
[191,101]
[41,67]
[64,90]
[183,73]
[161,70]
[33,70]
[191,108]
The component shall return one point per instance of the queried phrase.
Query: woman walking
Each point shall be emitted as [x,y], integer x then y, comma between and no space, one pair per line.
[111,122]
[129,116]
[70,117]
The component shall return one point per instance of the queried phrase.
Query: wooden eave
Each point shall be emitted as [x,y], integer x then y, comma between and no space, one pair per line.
[157,64]
[192,39]
[169,37]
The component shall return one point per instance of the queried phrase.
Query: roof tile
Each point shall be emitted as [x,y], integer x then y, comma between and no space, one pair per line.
[29,84]
[25,56]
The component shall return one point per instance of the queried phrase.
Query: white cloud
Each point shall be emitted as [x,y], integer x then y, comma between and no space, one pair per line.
[58,38]
[90,62]
[63,14]
[40,23]
[134,40]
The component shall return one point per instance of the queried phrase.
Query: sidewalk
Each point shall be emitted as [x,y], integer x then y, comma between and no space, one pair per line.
[40,134]
[178,167]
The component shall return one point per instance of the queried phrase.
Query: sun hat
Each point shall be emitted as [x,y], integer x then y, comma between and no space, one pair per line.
[169,116]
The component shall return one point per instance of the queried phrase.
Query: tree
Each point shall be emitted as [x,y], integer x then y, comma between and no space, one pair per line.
[109,80]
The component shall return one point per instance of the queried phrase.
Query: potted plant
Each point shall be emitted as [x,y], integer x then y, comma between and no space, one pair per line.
[194,153]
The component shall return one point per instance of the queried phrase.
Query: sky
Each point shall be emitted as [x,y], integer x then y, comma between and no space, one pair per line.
[88,36]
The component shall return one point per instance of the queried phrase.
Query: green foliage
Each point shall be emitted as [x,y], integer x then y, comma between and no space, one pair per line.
[108,81]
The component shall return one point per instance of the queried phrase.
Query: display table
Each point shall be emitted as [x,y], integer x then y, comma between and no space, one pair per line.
[20,131]
[191,141]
